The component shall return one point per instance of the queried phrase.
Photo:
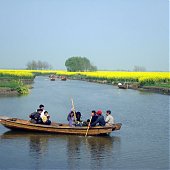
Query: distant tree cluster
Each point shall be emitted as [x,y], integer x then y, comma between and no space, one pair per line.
[139,68]
[38,65]
[79,64]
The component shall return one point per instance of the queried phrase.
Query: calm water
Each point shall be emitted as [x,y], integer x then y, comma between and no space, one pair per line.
[142,143]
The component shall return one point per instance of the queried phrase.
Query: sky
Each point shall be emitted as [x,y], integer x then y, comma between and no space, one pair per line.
[112,34]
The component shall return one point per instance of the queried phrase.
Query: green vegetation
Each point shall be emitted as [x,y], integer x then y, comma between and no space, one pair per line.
[15,85]
[162,85]
[79,64]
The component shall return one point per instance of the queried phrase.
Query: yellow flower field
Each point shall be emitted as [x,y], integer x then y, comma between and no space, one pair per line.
[112,76]
[141,77]
[16,74]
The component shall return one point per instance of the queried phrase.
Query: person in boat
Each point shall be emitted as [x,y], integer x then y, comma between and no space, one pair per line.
[36,116]
[119,84]
[78,116]
[78,122]
[109,118]
[71,118]
[93,118]
[41,106]
[46,118]
[100,119]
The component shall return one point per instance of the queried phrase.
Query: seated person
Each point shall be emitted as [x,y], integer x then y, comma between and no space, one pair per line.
[94,116]
[46,118]
[109,118]
[100,120]
[35,116]
[78,116]
[71,118]
[78,119]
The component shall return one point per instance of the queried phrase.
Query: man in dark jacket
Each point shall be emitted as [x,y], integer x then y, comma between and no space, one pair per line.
[100,120]
[35,116]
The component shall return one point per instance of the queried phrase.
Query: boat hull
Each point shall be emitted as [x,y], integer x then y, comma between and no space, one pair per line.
[24,125]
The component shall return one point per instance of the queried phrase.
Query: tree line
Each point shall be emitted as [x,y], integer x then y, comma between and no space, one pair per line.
[38,65]
[72,64]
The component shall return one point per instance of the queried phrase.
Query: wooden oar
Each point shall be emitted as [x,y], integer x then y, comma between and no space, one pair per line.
[88,126]
[73,108]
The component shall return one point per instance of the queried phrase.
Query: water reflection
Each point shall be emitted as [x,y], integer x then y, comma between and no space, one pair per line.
[38,143]
[79,152]
[101,149]
[94,149]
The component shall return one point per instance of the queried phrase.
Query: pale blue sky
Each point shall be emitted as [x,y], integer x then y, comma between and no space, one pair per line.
[113,34]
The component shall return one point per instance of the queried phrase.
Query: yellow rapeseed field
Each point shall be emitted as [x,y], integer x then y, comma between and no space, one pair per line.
[16,73]
[141,77]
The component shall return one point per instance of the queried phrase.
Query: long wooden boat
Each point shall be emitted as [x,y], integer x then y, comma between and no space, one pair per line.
[26,125]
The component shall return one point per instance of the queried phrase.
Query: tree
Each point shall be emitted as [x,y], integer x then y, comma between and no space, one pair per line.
[79,64]
[38,65]
[139,68]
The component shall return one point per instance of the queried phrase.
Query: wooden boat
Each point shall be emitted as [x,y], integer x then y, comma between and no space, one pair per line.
[63,78]
[58,128]
[52,77]
[122,86]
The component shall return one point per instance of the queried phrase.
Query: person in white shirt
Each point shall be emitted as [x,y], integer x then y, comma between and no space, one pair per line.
[109,118]
[41,106]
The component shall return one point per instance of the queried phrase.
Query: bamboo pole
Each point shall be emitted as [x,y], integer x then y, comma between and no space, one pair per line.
[88,126]
[73,109]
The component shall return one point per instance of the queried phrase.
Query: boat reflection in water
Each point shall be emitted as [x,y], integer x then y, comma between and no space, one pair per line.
[91,152]
[65,151]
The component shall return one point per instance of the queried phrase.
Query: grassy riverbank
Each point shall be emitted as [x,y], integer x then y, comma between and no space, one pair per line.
[13,87]
[14,82]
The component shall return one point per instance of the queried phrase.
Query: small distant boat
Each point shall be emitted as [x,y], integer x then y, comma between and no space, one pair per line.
[52,77]
[63,78]
[122,86]
[58,128]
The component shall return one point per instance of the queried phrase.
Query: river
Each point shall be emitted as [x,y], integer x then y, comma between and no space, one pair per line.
[141,143]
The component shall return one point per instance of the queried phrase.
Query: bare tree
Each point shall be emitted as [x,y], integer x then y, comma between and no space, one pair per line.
[39,65]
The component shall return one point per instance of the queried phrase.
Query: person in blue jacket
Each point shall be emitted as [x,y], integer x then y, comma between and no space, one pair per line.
[100,120]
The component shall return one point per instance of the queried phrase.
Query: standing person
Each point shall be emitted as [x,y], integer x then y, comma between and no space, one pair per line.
[41,106]
[71,119]
[100,120]
[109,118]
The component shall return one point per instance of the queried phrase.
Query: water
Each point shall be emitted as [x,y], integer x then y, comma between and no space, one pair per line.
[142,142]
